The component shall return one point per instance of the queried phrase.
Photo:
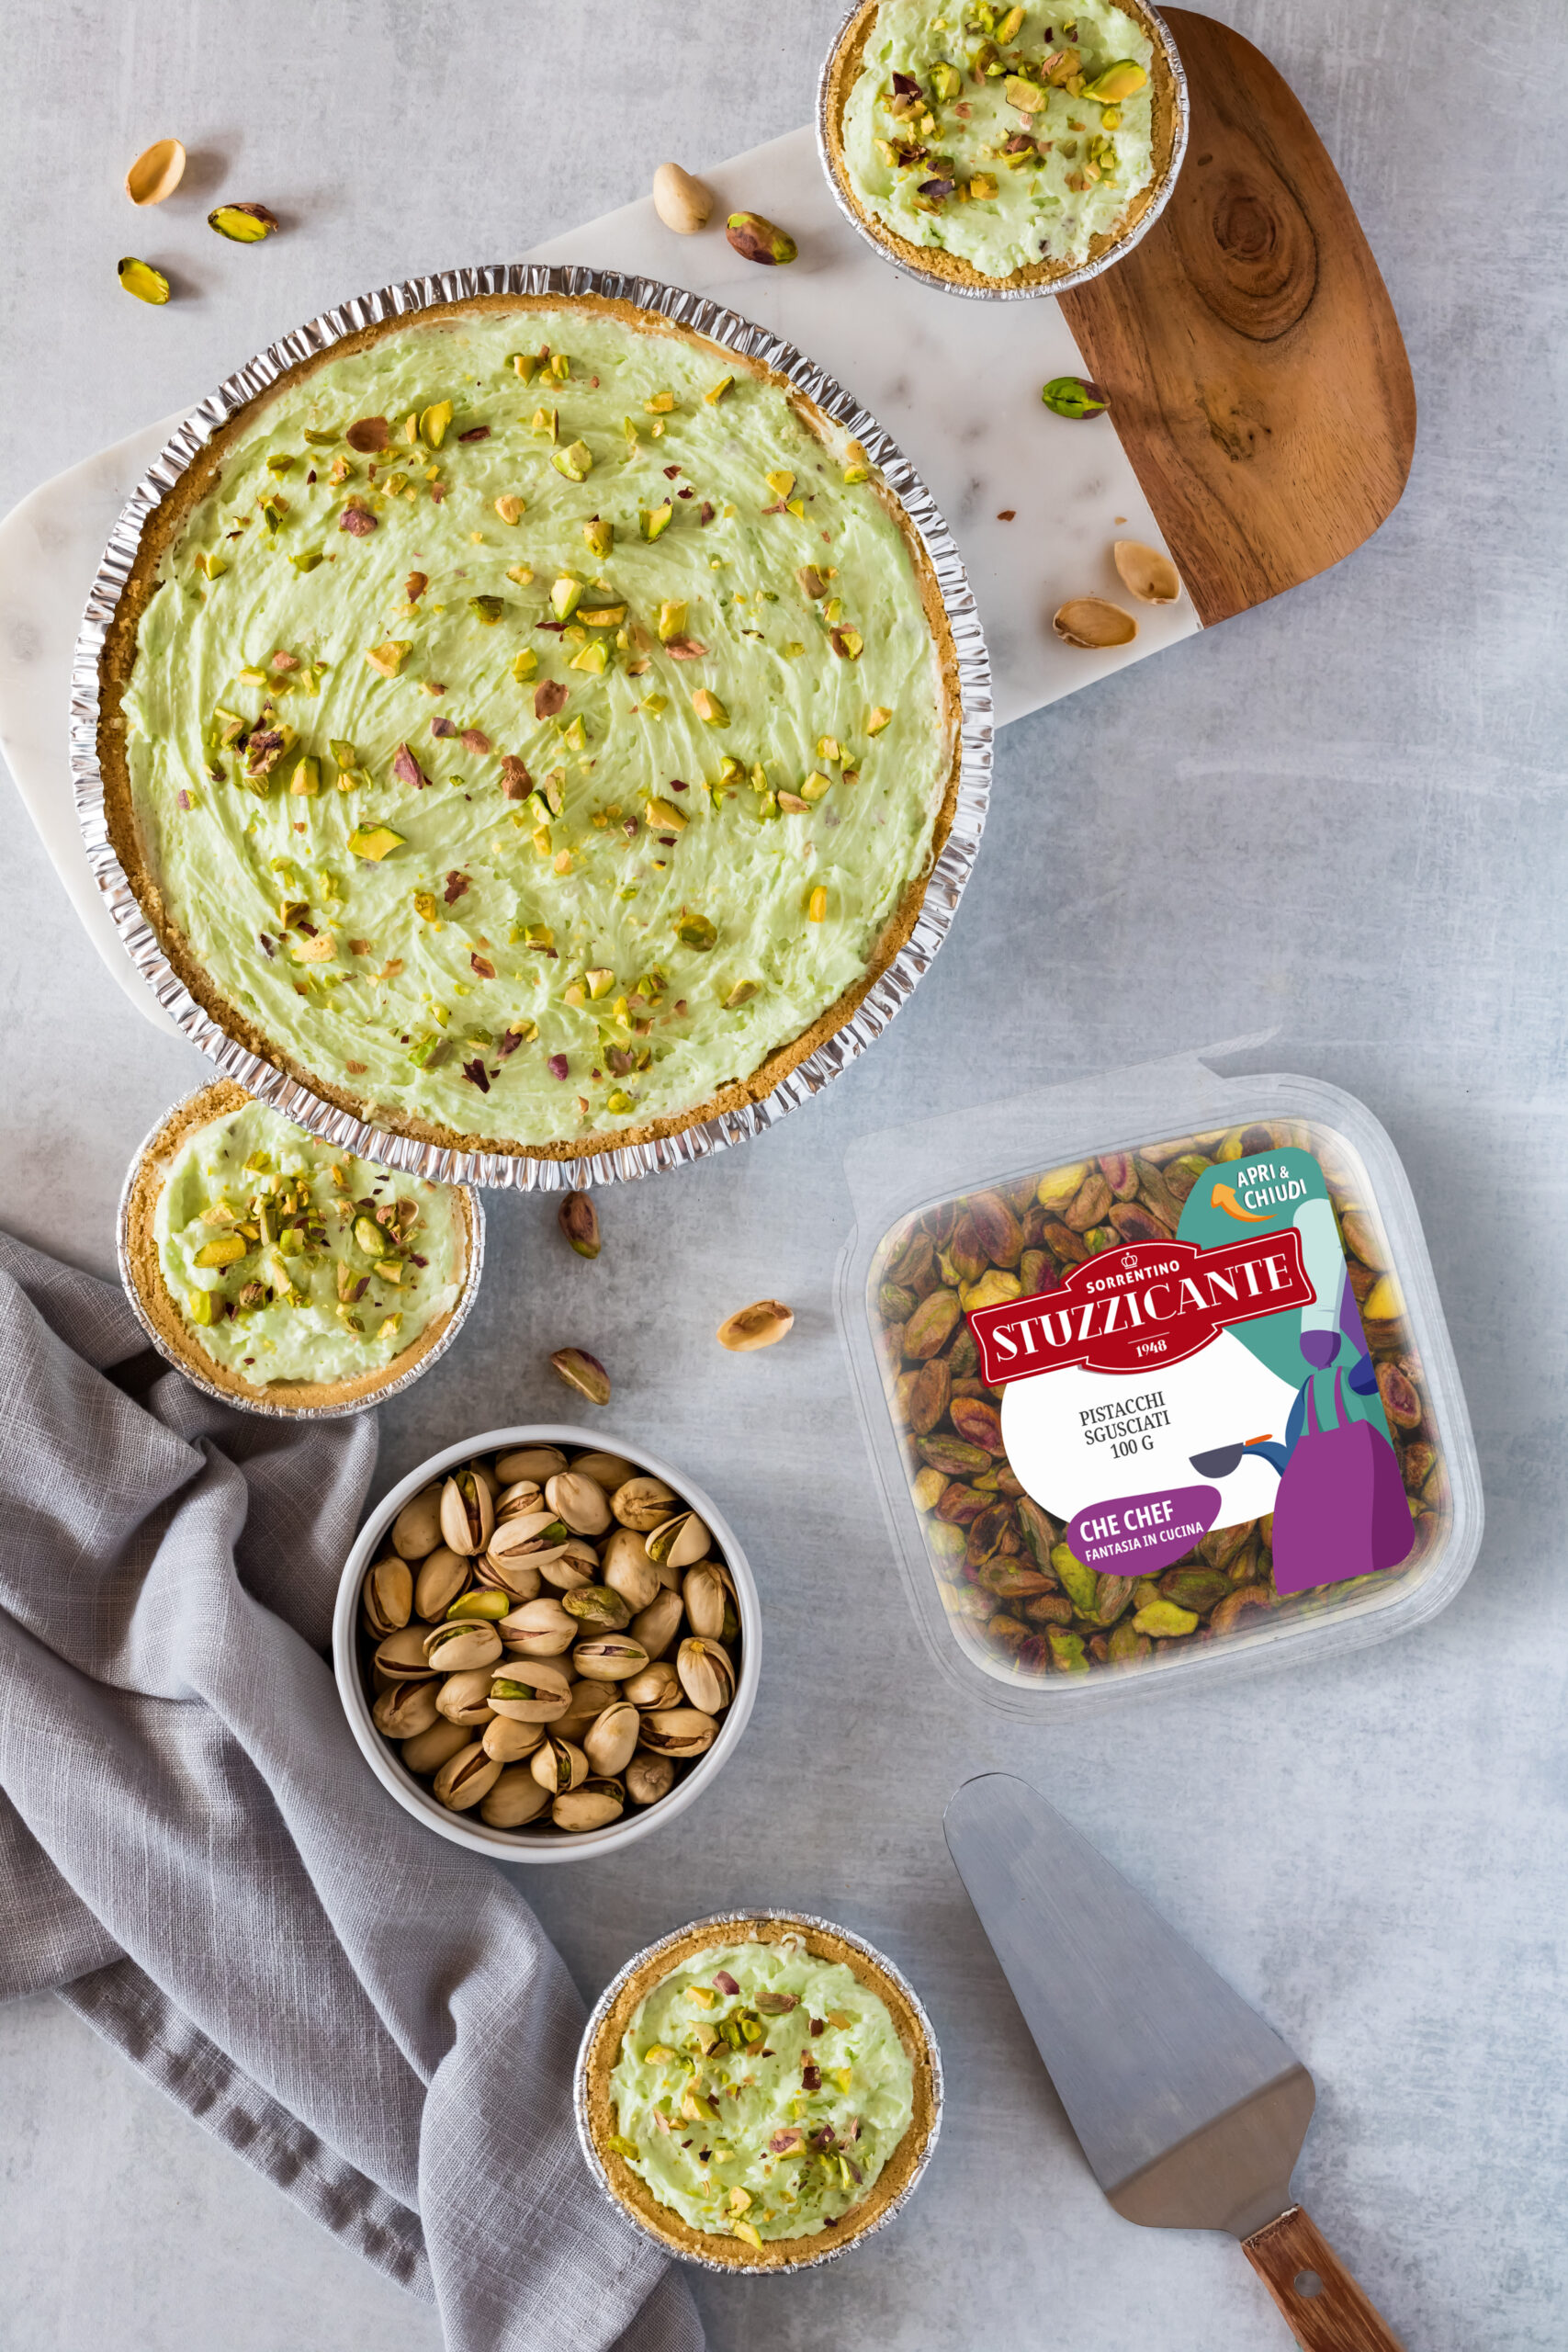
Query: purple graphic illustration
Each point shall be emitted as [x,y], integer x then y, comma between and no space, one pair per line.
[1341,1510]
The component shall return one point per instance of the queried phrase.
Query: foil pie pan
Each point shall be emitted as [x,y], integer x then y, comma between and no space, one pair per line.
[520,1170]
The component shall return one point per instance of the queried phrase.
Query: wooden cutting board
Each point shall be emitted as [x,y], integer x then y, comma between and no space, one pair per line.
[1257,378]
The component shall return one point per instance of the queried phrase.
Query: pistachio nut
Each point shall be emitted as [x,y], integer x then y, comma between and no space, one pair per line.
[610,1741]
[756,238]
[592,1806]
[417,1527]
[558,1764]
[761,1324]
[607,1470]
[707,1677]
[401,1658]
[428,1750]
[140,277]
[529,1538]
[627,1569]
[597,1608]
[405,1710]
[468,1513]
[679,1543]
[649,1778]
[1093,622]
[464,1698]
[538,1629]
[644,1503]
[536,1462]
[514,1801]
[1146,572]
[679,1731]
[509,1741]
[703,1591]
[528,1691]
[656,1687]
[656,1625]
[486,1602]
[466,1778]
[578,1219]
[587,1701]
[523,1495]
[681,202]
[519,1576]
[243,224]
[580,1501]
[387,1596]
[583,1373]
[458,1646]
[609,1657]
[443,1575]
[1073,396]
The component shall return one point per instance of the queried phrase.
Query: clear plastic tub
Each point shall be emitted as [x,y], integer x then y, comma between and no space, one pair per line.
[1156,1380]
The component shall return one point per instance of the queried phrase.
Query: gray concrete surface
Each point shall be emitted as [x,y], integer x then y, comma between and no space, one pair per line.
[1344,814]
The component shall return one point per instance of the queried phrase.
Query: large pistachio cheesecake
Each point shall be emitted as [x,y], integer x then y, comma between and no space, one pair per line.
[281,1268]
[761,2091]
[995,146]
[531,726]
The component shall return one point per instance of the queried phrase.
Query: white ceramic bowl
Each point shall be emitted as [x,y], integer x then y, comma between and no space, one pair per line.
[466,1828]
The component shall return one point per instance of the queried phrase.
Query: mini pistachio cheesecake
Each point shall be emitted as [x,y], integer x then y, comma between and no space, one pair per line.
[994,146]
[531,726]
[761,2092]
[281,1268]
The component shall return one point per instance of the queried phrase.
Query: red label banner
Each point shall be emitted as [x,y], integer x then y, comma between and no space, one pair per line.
[1150,1302]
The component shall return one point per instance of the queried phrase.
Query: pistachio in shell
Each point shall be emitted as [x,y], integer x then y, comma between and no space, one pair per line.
[528,1691]
[609,1657]
[679,1543]
[1146,572]
[582,1372]
[704,1594]
[607,1470]
[428,1750]
[538,1629]
[558,1764]
[679,1731]
[536,1462]
[755,238]
[509,1741]
[1092,623]
[592,1806]
[579,1221]
[681,202]
[580,1501]
[576,1563]
[455,1646]
[649,1778]
[386,1598]
[761,1324]
[417,1527]
[464,1698]
[156,173]
[522,1496]
[243,224]
[405,1710]
[627,1569]
[657,1686]
[468,1513]
[707,1677]
[656,1625]
[514,1800]
[140,277]
[443,1575]
[401,1658]
[644,1503]
[610,1742]
[465,1779]
[597,1609]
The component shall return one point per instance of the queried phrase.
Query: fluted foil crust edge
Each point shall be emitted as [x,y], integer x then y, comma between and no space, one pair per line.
[889,992]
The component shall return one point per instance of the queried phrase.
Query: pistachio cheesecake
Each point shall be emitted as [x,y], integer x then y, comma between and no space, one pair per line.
[761,2091]
[531,726]
[282,1269]
[997,147]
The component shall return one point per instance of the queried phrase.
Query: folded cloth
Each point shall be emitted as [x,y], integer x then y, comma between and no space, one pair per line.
[195,1857]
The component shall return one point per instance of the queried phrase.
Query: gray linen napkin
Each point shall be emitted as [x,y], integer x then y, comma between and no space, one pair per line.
[194,1855]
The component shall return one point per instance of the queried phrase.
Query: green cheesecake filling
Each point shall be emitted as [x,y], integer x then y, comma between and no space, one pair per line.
[1006,136]
[537,726]
[289,1259]
[758,2091]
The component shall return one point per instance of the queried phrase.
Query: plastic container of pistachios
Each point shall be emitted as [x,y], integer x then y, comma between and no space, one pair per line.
[1155,1380]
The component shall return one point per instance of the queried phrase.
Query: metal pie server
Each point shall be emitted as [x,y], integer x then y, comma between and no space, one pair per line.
[1191,2111]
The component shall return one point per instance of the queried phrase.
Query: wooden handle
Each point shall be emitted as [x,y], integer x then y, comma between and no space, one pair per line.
[1324,2308]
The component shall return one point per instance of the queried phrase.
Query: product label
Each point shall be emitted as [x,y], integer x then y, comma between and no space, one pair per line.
[1167,1387]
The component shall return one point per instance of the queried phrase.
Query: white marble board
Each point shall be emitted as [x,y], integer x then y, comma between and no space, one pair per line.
[957,384]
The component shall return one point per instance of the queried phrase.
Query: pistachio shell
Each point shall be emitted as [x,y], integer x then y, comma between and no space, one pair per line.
[464,1698]
[681,202]
[761,1324]
[428,1750]
[401,1658]
[655,1686]
[558,1765]
[1146,572]
[417,1527]
[627,1569]
[680,1543]
[509,1741]
[679,1731]
[609,1657]
[581,1502]
[1091,622]
[649,1778]
[538,1629]
[515,1800]
[656,1625]
[529,1691]
[593,1806]
[644,1502]
[405,1710]
[706,1675]
[607,1470]
[156,173]
[443,1574]
[458,1646]
[703,1594]
[466,1778]
[387,1596]
[611,1739]
[536,1462]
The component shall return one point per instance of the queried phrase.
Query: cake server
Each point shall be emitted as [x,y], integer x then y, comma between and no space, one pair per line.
[1191,2111]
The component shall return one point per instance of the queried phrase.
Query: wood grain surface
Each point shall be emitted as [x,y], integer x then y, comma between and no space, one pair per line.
[1326,2309]
[1258,378]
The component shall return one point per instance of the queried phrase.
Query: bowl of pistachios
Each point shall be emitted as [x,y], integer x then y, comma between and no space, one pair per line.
[546,1644]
